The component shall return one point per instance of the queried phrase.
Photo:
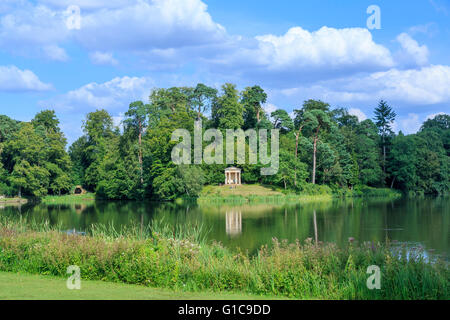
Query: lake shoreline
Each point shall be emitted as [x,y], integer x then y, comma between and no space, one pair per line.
[181,259]
[243,194]
[13,201]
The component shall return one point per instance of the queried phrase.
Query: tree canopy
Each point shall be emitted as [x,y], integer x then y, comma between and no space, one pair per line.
[319,145]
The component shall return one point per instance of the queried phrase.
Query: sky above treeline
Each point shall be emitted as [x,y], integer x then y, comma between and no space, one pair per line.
[112,52]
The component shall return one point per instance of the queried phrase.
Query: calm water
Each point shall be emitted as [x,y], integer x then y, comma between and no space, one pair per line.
[414,222]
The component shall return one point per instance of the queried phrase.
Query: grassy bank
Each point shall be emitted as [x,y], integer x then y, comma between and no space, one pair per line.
[180,259]
[271,195]
[69,198]
[14,286]
[13,201]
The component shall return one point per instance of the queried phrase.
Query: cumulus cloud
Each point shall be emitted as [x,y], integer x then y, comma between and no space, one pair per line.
[117,120]
[302,56]
[412,52]
[114,95]
[145,25]
[103,58]
[31,30]
[12,79]
[86,4]
[425,86]
[428,85]
[166,32]
[330,47]
[269,108]
[408,125]
[133,26]
[432,116]
[358,113]
[412,123]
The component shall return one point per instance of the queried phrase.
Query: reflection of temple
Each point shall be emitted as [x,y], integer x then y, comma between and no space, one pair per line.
[79,208]
[233,222]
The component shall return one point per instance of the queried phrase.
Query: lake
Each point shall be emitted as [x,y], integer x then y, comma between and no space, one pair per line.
[423,222]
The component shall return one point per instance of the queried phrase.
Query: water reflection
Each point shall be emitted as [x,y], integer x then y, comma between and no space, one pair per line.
[233,222]
[408,221]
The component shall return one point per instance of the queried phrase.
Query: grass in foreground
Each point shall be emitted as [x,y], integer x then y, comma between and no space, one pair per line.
[14,286]
[181,260]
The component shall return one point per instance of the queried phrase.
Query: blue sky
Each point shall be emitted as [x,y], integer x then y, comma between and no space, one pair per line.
[295,50]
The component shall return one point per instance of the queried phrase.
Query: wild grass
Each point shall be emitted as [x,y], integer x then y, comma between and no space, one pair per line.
[163,257]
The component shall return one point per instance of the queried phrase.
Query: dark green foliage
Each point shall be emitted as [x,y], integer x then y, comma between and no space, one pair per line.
[34,159]
[252,99]
[319,146]
[282,121]
[384,119]
[420,163]
[227,112]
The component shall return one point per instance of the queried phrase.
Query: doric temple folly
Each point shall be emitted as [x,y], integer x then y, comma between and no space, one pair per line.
[232,176]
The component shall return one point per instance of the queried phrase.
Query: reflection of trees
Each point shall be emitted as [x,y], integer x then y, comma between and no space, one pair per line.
[424,220]
[316,237]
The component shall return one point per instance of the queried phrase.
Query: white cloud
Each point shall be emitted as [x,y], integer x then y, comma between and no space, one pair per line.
[33,30]
[408,125]
[106,26]
[114,95]
[325,47]
[145,25]
[425,86]
[429,29]
[269,108]
[432,116]
[56,53]
[12,79]
[428,85]
[358,113]
[117,120]
[301,56]
[103,58]
[86,4]
[412,50]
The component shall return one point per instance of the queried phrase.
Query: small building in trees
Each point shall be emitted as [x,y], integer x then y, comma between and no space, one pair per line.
[233,176]
[79,190]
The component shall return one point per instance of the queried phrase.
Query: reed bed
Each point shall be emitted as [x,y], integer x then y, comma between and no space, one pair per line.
[180,258]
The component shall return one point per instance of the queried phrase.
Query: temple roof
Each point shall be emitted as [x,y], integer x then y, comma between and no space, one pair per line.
[233,169]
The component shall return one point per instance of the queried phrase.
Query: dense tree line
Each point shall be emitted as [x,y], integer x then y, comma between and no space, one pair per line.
[318,146]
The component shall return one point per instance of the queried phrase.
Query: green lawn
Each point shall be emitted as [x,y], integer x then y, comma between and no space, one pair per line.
[242,190]
[20,286]
[69,198]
